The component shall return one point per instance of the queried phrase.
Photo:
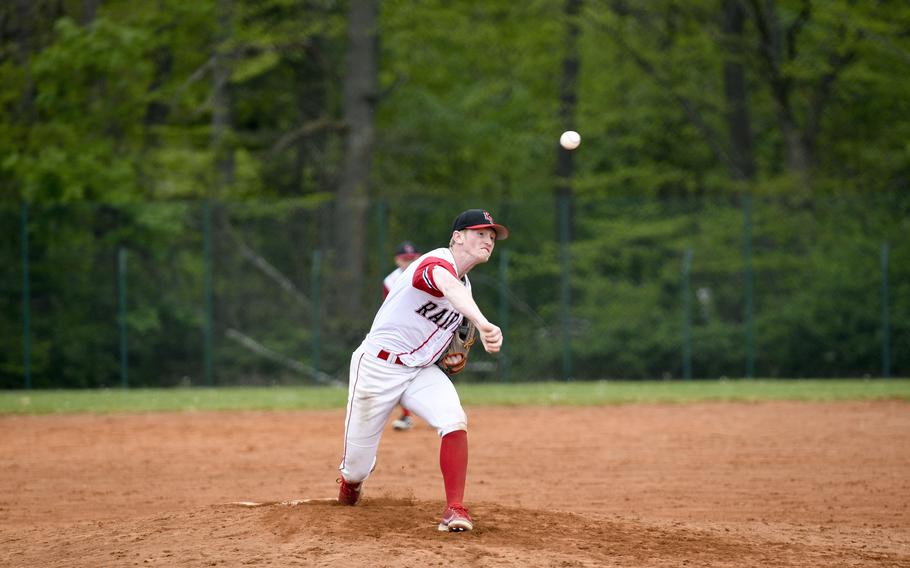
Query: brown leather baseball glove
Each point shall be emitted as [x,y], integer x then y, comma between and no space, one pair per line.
[456,356]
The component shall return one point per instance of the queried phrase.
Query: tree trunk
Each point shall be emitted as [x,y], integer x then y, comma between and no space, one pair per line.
[568,100]
[311,100]
[776,52]
[89,11]
[156,112]
[24,33]
[360,94]
[221,102]
[738,121]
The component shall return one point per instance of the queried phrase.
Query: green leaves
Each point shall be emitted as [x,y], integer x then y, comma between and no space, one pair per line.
[469,98]
[120,111]
[89,98]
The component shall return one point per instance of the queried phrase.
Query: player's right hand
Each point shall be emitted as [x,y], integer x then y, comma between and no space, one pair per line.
[490,336]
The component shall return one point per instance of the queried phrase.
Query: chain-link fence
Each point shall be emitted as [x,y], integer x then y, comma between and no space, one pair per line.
[249,293]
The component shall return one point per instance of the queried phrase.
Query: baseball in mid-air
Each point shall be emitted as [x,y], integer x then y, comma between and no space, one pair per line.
[570,140]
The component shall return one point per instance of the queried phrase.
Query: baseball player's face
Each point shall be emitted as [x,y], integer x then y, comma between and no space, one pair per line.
[403,263]
[479,243]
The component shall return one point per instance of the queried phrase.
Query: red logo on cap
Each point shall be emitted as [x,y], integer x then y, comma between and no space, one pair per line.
[488,217]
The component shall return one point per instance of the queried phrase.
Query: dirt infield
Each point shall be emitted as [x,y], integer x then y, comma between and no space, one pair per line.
[767,484]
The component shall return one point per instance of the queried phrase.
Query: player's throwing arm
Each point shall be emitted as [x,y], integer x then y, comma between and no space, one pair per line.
[455,292]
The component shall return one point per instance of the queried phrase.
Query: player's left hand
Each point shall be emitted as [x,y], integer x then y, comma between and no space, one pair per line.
[490,336]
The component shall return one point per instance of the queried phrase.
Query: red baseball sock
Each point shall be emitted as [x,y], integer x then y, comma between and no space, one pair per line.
[405,412]
[453,461]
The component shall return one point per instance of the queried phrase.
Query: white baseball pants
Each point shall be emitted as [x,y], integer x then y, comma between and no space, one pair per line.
[375,388]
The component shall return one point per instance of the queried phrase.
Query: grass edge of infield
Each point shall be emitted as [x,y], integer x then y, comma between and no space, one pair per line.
[578,393]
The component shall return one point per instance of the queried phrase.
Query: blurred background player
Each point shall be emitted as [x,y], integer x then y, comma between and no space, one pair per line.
[405,254]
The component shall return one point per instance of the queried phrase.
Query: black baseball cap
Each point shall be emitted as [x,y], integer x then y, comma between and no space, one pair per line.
[479,219]
[407,251]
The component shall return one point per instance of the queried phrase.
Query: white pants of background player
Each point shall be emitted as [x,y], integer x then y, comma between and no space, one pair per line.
[375,388]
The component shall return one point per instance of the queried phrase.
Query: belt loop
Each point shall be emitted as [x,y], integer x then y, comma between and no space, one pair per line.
[386,356]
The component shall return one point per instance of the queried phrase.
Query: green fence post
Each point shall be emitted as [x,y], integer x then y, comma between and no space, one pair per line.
[747,261]
[565,288]
[124,345]
[504,361]
[687,315]
[26,303]
[886,322]
[208,356]
[316,285]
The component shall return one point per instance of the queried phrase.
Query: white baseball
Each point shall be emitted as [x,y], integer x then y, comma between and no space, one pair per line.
[570,140]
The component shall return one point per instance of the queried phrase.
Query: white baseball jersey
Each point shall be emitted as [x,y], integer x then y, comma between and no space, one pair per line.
[416,322]
[394,364]
[389,281]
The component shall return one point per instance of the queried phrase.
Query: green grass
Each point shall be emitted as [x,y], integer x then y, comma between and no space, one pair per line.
[177,399]
[516,394]
[624,392]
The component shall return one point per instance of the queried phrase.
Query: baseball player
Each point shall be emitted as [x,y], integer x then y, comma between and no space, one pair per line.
[405,254]
[396,361]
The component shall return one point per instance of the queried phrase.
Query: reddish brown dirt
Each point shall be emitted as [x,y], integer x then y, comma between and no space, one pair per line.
[770,484]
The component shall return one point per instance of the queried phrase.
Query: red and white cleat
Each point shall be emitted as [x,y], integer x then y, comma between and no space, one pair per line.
[349,493]
[456,519]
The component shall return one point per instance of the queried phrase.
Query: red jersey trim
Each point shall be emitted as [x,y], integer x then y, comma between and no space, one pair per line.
[423,276]
[425,341]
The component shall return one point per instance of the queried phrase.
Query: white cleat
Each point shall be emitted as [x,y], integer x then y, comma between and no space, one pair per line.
[403,423]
